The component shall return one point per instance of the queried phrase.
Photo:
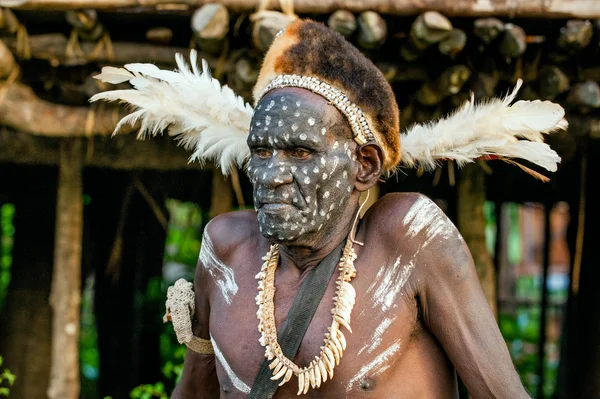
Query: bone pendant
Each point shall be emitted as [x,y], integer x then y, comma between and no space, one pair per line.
[323,370]
[343,322]
[317,371]
[300,383]
[280,374]
[274,364]
[287,377]
[306,383]
[336,355]
[342,339]
[311,375]
[277,368]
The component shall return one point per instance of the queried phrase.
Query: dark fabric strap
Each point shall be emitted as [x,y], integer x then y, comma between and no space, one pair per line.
[298,319]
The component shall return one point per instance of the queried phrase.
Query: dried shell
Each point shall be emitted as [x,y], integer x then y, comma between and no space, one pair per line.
[287,377]
[300,383]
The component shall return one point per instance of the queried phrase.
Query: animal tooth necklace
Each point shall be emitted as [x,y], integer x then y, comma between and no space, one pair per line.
[321,368]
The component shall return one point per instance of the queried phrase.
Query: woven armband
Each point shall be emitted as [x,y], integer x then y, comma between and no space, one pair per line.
[181,306]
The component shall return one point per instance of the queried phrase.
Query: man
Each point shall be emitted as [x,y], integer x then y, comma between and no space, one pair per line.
[403,308]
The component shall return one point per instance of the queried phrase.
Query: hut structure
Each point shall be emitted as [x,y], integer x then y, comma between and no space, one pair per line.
[90,203]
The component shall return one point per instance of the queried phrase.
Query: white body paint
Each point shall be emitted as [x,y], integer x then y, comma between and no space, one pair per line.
[388,283]
[237,382]
[377,336]
[223,274]
[425,216]
[377,366]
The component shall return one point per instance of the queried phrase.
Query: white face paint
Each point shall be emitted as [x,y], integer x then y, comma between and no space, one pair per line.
[425,216]
[219,271]
[382,362]
[235,380]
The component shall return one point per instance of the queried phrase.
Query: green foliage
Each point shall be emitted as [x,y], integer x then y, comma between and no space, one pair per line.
[185,233]
[7,231]
[149,391]
[6,378]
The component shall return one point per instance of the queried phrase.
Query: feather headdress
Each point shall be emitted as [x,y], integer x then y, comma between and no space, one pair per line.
[492,128]
[206,118]
[213,122]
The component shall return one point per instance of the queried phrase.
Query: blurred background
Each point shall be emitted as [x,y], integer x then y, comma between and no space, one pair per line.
[94,227]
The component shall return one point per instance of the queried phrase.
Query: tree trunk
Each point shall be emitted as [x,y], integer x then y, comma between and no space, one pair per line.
[65,297]
[25,324]
[471,223]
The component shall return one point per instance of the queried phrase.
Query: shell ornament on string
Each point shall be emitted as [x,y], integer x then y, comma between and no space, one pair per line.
[334,344]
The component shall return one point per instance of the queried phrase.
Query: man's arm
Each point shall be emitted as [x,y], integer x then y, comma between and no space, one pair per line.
[199,376]
[456,311]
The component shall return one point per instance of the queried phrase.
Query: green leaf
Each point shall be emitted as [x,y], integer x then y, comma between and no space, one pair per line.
[4,391]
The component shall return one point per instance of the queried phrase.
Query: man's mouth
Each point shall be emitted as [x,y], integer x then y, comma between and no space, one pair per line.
[276,206]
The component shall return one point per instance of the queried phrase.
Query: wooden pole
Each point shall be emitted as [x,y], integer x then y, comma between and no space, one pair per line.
[222,196]
[471,224]
[467,8]
[65,294]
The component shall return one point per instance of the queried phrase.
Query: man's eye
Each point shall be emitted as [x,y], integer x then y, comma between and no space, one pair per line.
[262,153]
[300,153]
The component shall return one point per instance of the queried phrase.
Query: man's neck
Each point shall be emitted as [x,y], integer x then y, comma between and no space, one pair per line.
[305,257]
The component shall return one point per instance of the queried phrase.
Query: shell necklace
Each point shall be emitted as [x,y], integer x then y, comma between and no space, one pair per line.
[321,368]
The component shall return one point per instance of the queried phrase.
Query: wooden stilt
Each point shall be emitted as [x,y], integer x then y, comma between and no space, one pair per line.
[65,294]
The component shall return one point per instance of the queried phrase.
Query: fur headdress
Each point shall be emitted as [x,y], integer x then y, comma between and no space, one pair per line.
[213,122]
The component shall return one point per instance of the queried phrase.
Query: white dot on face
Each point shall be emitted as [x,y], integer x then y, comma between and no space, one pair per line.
[253,137]
[286,137]
[294,169]
[345,146]
[354,157]
[336,145]
[264,176]
[315,212]
[284,107]
[337,183]
[295,200]
[278,180]
[303,136]
[305,170]
[280,123]
[306,180]
[301,231]
[295,127]
[257,123]
[282,99]
[326,195]
[266,129]
[287,217]
[349,189]
[271,103]
[311,121]
[296,114]
[270,165]
[282,169]
[274,152]
[297,103]
[328,216]
[286,195]
[331,207]
[322,161]
[325,176]
[321,225]
[323,131]
[322,212]
[312,222]
[294,227]
[308,199]
[275,139]
[259,107]
[316,169]
[270,140]
[267,120]
[345,174]
[304,220]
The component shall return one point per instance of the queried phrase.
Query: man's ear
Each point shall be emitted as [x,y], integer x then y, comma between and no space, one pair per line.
[370,163]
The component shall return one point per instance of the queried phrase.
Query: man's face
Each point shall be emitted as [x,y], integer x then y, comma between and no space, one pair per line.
[302,165]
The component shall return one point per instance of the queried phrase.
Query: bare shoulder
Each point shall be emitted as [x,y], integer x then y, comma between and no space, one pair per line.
[227,231]
[417,223]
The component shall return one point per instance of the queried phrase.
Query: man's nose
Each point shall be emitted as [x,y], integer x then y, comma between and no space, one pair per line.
[276,173]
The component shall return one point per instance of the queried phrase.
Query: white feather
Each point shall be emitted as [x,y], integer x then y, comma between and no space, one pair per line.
[491,128]
[208,119]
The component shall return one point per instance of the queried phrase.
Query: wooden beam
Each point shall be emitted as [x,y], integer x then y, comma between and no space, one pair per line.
[121,152]
[65,295]
[467,8]
[53,48]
